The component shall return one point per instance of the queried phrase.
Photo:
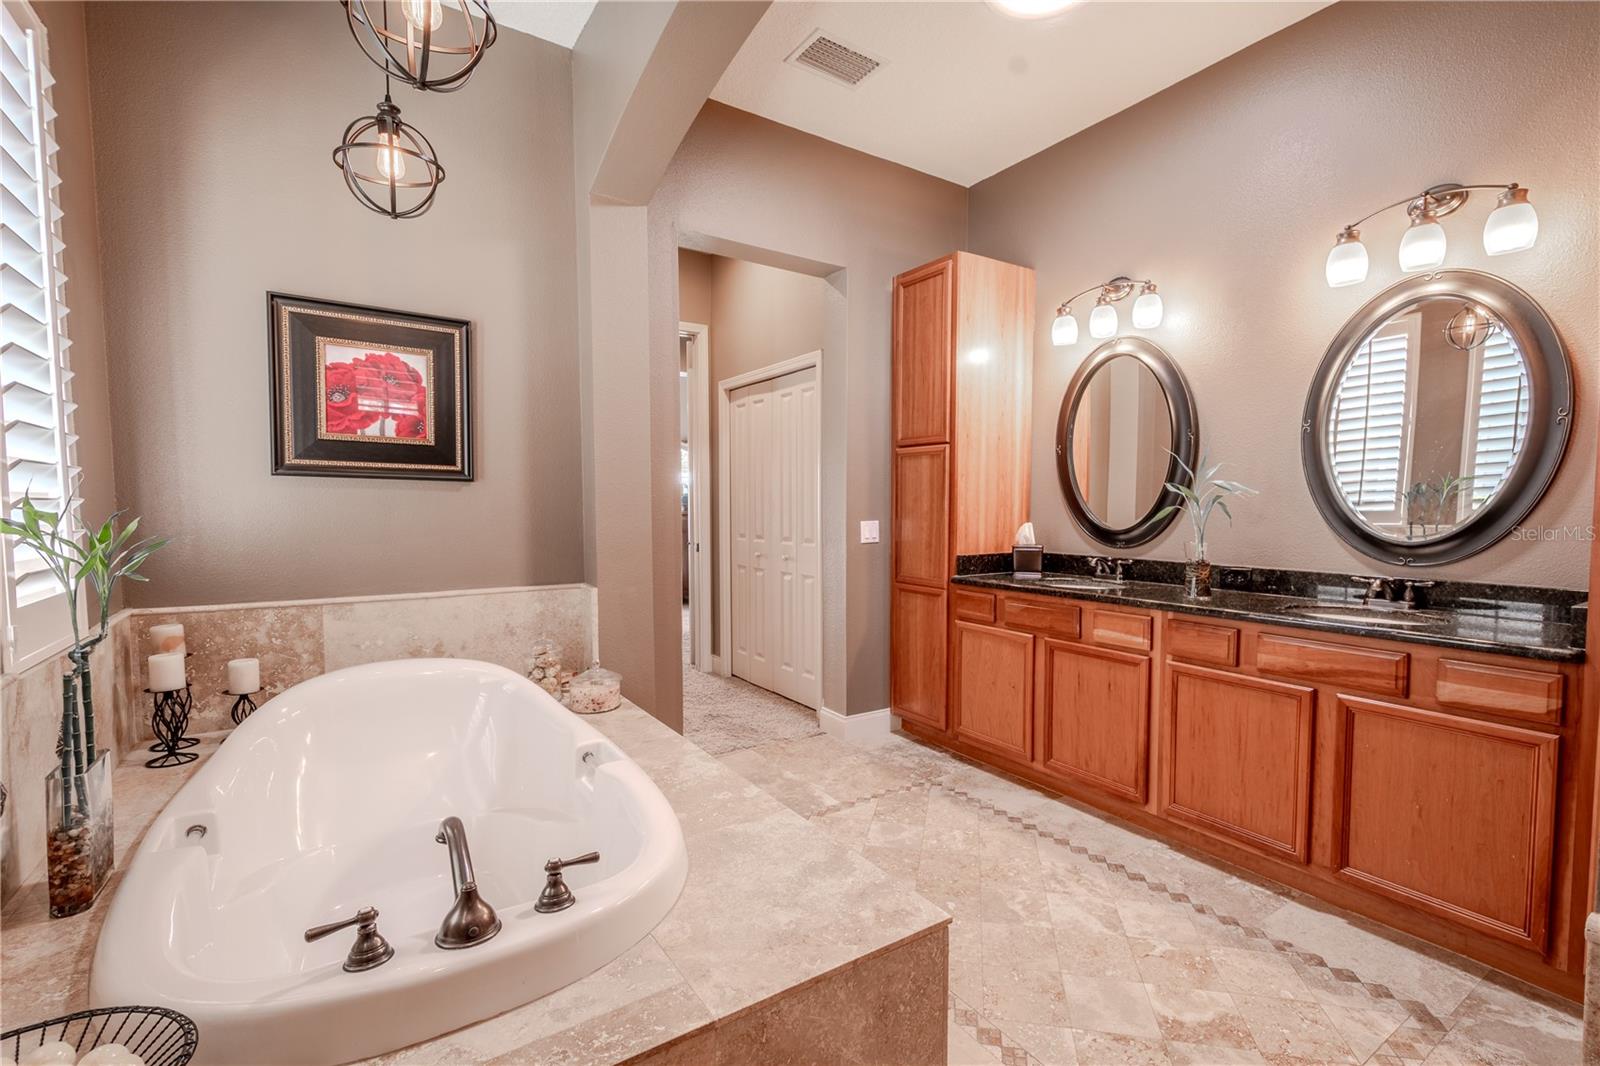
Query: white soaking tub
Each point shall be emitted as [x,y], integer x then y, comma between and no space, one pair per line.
[327,800]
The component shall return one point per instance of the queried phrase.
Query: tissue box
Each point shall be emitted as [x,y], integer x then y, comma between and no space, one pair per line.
[1027,560]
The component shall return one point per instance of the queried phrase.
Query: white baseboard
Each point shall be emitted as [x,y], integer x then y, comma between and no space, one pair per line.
[716,666]
[866,728]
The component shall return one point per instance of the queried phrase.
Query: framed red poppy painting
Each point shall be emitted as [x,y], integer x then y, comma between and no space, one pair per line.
[368,392]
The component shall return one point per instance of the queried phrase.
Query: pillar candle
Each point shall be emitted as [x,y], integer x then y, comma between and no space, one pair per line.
[165,638]
[244,675]
[166,671]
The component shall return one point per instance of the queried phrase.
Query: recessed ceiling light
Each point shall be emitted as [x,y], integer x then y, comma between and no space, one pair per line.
[1032,9]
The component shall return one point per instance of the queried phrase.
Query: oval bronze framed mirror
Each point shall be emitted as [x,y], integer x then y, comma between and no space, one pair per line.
[1126,420]
[1437,418]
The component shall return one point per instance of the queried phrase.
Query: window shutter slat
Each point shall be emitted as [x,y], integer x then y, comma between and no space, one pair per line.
[37,442]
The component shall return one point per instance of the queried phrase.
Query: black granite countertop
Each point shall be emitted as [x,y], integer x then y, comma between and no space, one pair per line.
[1496,621]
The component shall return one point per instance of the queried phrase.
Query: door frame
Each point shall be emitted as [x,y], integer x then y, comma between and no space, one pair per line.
[699,337]
[724,657]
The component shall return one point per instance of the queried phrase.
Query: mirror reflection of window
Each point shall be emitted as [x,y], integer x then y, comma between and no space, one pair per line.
[1500,414]
[1422,433]
[1369,433]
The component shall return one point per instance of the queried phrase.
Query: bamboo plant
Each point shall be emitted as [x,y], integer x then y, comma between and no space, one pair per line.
[101,557]
[1203,494]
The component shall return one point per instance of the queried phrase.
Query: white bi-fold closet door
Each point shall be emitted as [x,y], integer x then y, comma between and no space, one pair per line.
[776,595]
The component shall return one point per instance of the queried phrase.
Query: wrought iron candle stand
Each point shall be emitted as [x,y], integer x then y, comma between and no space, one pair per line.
[169,719]
[243,706]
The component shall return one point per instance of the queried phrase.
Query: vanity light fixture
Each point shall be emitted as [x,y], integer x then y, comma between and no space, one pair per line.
[1147,310]
[1512,226]
[387,165]
[428,44]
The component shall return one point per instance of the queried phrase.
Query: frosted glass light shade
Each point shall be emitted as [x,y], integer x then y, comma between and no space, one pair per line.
[1422,247]
[1102,321]
[1347,262]
[1511,227]
[1064,330]
[1147,311]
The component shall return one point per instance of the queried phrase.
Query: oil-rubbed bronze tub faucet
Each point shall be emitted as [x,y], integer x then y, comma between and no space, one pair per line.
[471,920]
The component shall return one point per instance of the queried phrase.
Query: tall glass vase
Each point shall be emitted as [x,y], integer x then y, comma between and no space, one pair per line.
[79,845]
[1196,571]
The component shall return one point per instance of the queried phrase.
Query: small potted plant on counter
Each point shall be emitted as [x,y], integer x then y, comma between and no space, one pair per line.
[78,792]
[1204,493]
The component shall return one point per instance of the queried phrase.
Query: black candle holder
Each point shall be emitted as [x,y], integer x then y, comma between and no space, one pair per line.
[243,706]
[169,719]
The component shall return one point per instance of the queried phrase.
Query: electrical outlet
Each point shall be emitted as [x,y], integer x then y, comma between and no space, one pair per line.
[1233,577]
[869,532]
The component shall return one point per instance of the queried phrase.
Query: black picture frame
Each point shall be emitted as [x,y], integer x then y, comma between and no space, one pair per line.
[399,404]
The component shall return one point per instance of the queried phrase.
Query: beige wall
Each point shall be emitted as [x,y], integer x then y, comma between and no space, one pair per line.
[1228,189]
[216,122]
[694,287]
[746,188]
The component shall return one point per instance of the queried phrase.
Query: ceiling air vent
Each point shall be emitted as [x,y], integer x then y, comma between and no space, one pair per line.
[833,59]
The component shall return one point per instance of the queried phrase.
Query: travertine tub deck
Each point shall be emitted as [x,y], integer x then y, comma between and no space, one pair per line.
[785,946]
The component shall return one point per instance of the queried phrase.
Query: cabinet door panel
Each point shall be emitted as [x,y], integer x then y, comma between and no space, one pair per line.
[1239,758]
[1097,717]
[923,353]
[921,525]
[917,641]
[1448,814]
[994,688]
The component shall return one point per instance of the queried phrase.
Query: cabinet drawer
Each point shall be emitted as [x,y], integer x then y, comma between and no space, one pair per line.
[1120,629]
[1375,670]
[1202,642]
[1056,620]
[1532,694]
[972,606]
[1451,815]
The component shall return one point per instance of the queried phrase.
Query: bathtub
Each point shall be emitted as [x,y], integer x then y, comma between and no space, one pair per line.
[327,800]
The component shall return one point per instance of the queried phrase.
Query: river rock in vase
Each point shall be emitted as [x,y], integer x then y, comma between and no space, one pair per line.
[80,847]
[546,671]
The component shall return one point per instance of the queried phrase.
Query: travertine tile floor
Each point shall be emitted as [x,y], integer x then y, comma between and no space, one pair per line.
[1077,940]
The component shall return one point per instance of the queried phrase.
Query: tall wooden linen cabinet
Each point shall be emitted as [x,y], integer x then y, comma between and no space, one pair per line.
[962,413]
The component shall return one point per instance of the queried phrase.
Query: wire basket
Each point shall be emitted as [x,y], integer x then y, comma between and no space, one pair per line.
[159,1036]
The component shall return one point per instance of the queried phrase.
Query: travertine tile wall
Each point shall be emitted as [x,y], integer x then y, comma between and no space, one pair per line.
[294,641]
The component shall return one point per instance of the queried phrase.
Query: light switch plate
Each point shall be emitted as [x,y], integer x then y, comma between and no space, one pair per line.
[869,532]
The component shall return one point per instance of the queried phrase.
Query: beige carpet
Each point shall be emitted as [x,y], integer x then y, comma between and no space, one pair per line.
[723,714]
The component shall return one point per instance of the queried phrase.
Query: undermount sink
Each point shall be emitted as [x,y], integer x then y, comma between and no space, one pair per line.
[1077,584]
[1372,616]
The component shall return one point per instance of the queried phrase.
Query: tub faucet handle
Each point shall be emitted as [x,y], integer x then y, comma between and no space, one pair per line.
[556,895]
[370,949]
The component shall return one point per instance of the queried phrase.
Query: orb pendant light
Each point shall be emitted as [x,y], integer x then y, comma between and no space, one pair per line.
[428,44]
[387,165]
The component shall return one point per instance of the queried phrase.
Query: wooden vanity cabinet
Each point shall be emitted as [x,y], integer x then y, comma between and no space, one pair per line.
[962,371]
[1442,792]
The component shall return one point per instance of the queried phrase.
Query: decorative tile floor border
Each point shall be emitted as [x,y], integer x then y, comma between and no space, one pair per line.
[1420,1014]
[987,1034]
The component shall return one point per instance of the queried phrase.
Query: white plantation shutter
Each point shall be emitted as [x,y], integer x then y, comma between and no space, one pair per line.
[1501,416]
[37,447]
[1368,437]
